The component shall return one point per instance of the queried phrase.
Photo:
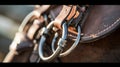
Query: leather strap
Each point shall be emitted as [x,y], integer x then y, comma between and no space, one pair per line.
[62,16]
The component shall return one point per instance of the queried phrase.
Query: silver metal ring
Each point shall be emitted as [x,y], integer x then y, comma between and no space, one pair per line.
[27,18]
[71,48]
[59,48]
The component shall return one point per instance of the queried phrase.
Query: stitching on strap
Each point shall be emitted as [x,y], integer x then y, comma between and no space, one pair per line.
[95,35]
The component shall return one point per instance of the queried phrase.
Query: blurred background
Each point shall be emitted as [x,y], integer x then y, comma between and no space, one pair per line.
[11,17]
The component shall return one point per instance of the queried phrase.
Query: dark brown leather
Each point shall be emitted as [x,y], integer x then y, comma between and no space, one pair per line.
[105,50]
[101,21]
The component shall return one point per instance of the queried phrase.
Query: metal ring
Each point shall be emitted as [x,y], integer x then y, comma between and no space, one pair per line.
[71,48]
[27,18]
[59,48]
[35,13]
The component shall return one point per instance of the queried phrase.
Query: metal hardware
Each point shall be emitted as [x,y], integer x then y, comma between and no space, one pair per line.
[43,39]
[71,48]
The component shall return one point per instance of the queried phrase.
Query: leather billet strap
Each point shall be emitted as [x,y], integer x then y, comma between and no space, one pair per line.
[62,16]
[66,14]
[72,13]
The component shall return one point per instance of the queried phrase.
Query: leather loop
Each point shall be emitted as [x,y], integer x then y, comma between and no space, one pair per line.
[62,16]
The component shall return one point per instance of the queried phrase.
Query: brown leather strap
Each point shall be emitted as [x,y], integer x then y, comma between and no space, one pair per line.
[62,15]
[67,13]
[72,13]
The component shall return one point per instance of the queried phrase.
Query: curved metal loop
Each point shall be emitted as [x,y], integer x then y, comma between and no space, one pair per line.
[71,48]
[60,44]
[20,41]
[37,13]
[27,18]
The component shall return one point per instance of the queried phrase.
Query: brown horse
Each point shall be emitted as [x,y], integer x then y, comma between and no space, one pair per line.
[102,20]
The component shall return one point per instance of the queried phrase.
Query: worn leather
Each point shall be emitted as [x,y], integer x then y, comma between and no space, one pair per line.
[101,21]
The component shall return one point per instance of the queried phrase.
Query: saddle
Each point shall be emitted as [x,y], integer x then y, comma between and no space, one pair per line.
[105,20]
[80,24]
